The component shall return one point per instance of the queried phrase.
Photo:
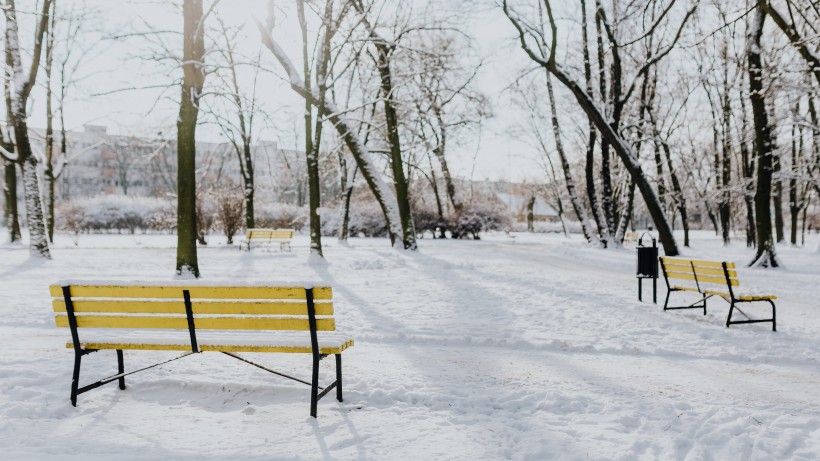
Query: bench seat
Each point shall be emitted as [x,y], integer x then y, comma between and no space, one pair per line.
[728,296]
[329,344]
[680,288]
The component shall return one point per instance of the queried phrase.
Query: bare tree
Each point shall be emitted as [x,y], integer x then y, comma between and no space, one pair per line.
[383,57]
[541,48]
[344,126]
[238,127]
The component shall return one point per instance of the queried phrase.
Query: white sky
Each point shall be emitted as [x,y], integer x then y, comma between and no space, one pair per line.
[116,65]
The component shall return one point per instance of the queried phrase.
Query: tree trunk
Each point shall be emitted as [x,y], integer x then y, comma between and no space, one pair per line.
[575,199]
[396,162]
[248,189]
[606,175]
[48,170]
[794,208]
[439,151]
[193,80]
[589,167]
[748,175]
[777,199]
[38,238]
[17,93]
[680,198]
[347,193]
[766,255]
[10,213]
[311,144]
[726,163]
[10,195]
[530,214]
[626,215]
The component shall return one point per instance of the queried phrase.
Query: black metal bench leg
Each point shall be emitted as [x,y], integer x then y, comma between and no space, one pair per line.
[314,386]
[339,377]
[121,368]
[75,379]
[774,316]
[731,310]
[704,306]
[666,303]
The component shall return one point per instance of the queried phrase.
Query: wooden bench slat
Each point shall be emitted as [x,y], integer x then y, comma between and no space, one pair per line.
[203,323]
[129,306]
[697,263]
[201,291]
[327,350]
[714,272]
[700,279]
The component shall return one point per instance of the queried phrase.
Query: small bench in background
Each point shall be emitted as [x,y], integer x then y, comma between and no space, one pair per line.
[267,236]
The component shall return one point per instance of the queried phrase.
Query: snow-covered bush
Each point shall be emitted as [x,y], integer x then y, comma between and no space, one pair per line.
[426,218]
[548,227]
[114,213]
[480,216]
[280,216]
[367,220]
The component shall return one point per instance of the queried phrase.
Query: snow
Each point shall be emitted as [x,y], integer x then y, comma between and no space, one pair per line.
[530,348]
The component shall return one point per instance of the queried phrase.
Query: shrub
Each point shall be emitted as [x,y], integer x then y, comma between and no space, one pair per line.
[478,217]
[115,213]
[281,216]
[230,208]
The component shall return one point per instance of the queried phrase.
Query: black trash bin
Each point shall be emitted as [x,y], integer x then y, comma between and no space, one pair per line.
[647,266]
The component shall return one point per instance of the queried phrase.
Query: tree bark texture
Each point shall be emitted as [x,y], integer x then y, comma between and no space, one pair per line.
[311,144]
[766,255]
[192,82]
[12,218]
[17,97]
[575,199]
[589,167]
[396,163]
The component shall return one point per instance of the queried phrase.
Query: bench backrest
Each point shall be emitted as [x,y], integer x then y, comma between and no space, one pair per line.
[699,272]
[268,234]
[142,306]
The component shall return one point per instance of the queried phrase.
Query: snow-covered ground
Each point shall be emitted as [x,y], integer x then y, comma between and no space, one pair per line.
[525,348]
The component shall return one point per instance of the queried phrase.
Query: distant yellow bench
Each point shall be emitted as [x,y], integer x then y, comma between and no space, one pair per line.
[697,276]
[631,237]
[268,236]
[200,318]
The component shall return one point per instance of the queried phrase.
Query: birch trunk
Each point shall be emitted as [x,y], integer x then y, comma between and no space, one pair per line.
[20,88]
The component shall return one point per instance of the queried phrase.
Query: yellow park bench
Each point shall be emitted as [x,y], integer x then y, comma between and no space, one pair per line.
[193,318]
[708,279]
[631,238]
[267,236]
